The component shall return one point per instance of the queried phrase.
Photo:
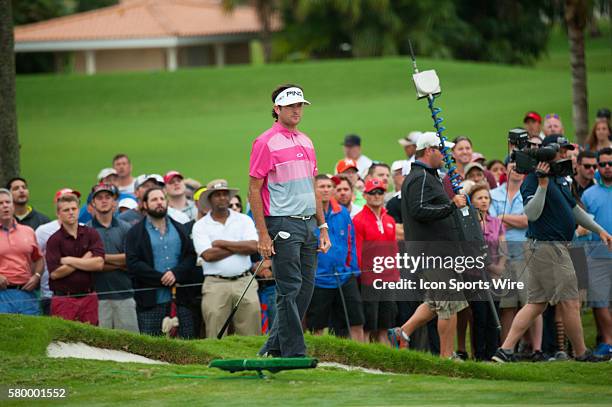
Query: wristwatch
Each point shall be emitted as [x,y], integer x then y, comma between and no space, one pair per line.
[324,226]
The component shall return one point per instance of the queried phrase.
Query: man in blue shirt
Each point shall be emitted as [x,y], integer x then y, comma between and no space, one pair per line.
[507,204]
[597,201]
[159,253]
[336,269]
[553,214]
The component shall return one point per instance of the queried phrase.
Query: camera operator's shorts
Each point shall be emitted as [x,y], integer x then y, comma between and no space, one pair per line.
[551,273]
[517,271]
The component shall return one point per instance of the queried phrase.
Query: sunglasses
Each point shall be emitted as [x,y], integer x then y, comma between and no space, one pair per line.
[552,116]
[604,164]
[534,144]
[589,166]
[376,192]
[235,205]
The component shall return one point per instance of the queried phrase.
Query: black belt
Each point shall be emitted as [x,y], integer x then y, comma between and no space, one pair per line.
[14,287]
[57,293]
[246,273]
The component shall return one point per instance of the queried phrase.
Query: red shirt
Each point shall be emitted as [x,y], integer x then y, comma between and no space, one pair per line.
[18,250]
[369,228]
[62,244]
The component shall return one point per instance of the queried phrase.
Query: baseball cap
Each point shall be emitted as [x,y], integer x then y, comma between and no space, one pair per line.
[557,139]
[603,113]
[532,115]
[128,203]
[351,140]
[105,173]
[411,139]
[345,164]
[65,191]
[197,193]
[397,165]
[431,139]
[374,183]
[473,165]
[141,179]
[290,96]
[478,156]
[171,174]
[104,188]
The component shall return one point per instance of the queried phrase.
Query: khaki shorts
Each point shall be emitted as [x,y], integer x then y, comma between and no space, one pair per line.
[446,309]
[551,274]
[516,270]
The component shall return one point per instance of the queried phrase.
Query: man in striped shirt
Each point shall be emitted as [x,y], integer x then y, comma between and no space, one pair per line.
[282,197]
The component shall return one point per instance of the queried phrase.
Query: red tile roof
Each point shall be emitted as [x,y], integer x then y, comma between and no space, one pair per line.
[145,19]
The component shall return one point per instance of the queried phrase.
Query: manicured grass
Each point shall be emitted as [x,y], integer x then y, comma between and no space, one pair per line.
[419,378]
[203,121]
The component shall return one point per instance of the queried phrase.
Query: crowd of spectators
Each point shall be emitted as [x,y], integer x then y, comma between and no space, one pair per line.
[138,252]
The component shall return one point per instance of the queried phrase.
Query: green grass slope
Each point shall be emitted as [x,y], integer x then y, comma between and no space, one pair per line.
[418,379]
[203,121]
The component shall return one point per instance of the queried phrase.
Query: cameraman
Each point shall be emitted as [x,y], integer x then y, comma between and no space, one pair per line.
[552,216]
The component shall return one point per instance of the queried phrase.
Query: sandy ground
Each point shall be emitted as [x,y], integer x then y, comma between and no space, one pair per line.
[351,368]
[82,351]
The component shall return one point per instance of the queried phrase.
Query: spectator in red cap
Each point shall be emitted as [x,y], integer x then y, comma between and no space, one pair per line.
[348,167]
[73,253]
[177,194]
[533,124]
[374,224]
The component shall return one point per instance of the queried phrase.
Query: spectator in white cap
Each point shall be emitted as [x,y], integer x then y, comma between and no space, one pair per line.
[126,204]
[409,143]
[142,184]
[108,176]
[177,194]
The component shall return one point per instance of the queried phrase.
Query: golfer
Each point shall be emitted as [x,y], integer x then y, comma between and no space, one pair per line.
[282,197]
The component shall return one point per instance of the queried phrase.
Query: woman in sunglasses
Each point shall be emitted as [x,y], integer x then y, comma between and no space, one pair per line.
[236,203]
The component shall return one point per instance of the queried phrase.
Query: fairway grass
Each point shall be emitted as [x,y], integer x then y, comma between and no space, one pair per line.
[419,378]
[202,121]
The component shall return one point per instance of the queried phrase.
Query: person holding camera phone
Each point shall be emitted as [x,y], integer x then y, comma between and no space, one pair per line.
[552,215]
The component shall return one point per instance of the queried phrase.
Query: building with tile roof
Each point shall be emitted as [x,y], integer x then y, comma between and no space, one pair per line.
[140,35]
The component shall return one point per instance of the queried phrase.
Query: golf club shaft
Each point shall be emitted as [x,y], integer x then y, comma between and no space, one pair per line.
[231,315]
[346,318]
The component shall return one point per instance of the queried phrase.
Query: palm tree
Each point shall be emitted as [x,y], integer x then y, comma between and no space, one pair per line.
[265,10]
[9,143]
[576,19]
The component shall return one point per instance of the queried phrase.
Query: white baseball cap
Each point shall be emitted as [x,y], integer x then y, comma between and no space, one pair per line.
[128,203]
[397,165]
[411,139]
[105,173]
[290,96]
[431,139]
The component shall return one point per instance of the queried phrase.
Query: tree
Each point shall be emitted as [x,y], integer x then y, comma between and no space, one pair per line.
[576,19]
[9,142]
[265,10]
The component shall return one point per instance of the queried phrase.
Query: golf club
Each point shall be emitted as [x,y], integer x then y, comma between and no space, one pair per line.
[283,235]
[346,318]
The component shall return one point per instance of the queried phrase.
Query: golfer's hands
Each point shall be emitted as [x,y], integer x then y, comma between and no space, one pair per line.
[168,279]
[460,200]
[32,283]
[265,246]
[324,242]
[607,239]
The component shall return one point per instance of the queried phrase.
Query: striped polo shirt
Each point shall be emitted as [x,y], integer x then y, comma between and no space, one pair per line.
[286,161]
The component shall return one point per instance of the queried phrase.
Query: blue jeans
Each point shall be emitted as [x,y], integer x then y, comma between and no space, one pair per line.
[267,295]
[294,266]
[19,302]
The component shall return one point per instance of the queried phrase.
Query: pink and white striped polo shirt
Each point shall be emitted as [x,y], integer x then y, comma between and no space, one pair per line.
[286,160]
